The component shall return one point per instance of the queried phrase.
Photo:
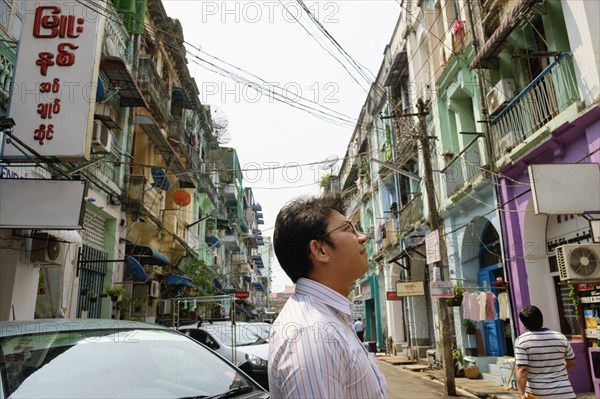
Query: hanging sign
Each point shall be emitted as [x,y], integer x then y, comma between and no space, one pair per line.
[442,289]
[432,247]
[410,288]
[55,82]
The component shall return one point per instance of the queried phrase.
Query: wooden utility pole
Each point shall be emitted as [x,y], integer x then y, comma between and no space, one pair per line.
[435,223]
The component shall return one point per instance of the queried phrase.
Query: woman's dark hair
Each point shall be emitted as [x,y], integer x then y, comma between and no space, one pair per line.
[532,318]
[297,223]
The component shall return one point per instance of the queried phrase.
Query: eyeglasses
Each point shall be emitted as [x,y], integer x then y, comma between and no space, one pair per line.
[354,230]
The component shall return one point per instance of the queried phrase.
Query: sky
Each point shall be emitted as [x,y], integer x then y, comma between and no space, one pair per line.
[276,46]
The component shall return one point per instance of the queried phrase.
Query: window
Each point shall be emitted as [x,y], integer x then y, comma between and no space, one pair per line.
[5,12]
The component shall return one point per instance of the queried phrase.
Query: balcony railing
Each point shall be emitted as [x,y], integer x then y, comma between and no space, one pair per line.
[173,223]
[107,172]
[116,37]
[411,213]
[463,169]
[551,92]
[153,88]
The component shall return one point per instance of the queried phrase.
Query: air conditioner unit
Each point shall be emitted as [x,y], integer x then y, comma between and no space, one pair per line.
[578,261]
[500,95]
[154,289]
[47,250]
[165,306]
[101,138]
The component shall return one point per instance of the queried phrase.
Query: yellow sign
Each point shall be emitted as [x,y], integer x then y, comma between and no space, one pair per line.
[410,288]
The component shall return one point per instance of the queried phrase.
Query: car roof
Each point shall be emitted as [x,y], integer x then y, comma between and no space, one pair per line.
[36,326]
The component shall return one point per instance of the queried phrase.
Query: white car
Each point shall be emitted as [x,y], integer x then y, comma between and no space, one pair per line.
[88,358]
[245,345]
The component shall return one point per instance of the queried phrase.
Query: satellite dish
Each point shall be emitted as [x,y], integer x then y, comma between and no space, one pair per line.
[135,268]
[220,125]
[182,198]
[160,178]
[329,162]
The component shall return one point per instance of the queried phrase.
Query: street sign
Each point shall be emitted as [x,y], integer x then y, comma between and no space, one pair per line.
[392,296]
[358,309]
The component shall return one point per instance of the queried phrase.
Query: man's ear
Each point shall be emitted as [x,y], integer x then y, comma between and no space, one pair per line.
[318,251]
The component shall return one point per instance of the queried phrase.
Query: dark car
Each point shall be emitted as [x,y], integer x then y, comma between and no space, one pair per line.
[87,358]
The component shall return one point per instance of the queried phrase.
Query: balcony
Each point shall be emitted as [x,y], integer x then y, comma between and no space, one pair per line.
[153,88]
[231,242]
[174,223]
[463,169]
[411,214]
[116,37]
[106,169]
[550,93]
[231,194]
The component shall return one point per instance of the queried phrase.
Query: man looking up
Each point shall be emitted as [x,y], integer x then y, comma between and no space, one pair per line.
[314,351]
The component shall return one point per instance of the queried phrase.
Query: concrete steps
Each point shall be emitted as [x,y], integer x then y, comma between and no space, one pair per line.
[502,372]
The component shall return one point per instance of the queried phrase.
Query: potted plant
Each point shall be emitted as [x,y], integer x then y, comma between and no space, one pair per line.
[458,296]
[470,327]
[92,296]
[115,292]
[138,303]
[458,358]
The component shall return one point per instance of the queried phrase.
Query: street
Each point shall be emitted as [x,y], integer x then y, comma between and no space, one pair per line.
[409,384]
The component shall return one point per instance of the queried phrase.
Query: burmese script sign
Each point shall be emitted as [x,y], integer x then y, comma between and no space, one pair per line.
[442,289]
[410,288]
[53,97]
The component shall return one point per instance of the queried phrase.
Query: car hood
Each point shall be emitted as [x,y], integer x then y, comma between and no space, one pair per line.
[261,350]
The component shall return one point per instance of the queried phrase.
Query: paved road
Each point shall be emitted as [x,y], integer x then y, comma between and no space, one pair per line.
[410,385]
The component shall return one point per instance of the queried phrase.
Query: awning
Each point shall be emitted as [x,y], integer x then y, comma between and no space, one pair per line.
[496,42]
[179,98]
[147,255]
[120,80]
[136,270]
[174,279]
[258,287]
[107,120]
[217,283]
[397,70]
[151,128]
[213,241]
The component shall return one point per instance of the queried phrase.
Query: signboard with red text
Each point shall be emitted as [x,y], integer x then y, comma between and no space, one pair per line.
[53,97]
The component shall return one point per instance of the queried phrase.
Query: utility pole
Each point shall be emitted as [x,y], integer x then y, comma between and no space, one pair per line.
[435,223]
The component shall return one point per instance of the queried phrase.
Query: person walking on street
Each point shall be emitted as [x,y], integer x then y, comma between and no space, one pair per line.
[314,351]
[359,327]
[542,358]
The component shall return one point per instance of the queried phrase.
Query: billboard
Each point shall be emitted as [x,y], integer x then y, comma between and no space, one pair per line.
[54,91]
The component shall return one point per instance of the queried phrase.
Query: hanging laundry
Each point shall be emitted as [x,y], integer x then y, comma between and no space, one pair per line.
[490,306]
[482,305]
[503,305]
[471,306]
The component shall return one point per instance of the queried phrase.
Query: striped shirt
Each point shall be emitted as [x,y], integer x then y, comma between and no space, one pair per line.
[314,351]
[544,352]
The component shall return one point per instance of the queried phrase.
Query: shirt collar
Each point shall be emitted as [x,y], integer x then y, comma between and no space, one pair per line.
[324,294]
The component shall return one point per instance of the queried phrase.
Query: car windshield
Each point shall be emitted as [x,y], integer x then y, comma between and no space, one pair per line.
[134,363]
[243,335]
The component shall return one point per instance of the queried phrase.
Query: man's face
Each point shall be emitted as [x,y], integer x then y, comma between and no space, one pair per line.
[350,251]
